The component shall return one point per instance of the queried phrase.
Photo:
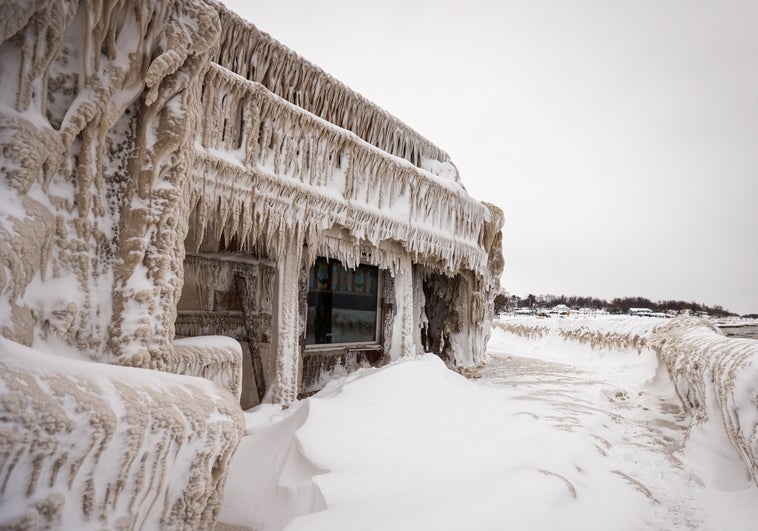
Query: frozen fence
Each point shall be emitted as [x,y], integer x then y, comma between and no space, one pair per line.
[618,333]
[716,378]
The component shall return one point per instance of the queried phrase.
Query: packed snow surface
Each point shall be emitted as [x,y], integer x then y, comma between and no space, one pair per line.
[552,435]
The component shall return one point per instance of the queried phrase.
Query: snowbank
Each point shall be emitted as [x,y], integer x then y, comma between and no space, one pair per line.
[85,445]
[417,446]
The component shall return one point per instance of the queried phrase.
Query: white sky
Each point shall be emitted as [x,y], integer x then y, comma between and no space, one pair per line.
[619,137]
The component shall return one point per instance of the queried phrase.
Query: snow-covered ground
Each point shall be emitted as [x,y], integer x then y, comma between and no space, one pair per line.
[552,435]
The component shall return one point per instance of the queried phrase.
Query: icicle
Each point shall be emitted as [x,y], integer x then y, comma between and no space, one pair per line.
[441,223]
[260,58]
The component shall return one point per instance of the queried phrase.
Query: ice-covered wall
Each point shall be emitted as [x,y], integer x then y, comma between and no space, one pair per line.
[99,101]
[98,104]
[86,445]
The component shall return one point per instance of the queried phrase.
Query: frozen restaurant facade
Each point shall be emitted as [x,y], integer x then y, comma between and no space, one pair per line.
[176,173]
[324,233]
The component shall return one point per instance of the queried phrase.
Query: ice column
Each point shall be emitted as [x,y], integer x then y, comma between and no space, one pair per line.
[285,343]
[402,329]
[420,320]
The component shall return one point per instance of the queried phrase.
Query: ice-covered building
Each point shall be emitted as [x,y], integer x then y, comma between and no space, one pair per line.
[169,171]
[212,181]
[322,230]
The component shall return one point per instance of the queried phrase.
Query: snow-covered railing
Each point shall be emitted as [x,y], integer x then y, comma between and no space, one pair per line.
[528,330]
[257,154]
[617,333]
[87,445]
[716,378]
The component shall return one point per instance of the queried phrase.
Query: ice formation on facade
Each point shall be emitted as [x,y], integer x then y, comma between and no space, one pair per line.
[98,103]
[292,165]
[169,171]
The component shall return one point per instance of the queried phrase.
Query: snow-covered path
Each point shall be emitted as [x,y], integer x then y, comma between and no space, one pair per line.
[636,433]
[624,403]
[552,435]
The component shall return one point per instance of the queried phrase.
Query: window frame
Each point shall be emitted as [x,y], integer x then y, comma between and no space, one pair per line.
[379,316]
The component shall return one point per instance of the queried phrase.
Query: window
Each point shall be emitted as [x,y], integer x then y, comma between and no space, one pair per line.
[342,303]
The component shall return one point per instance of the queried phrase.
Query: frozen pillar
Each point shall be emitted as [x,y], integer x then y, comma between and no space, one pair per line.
[420,320]
[402,329]
[286,320]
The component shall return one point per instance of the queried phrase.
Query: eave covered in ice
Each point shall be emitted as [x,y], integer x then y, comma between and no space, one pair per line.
[266,167]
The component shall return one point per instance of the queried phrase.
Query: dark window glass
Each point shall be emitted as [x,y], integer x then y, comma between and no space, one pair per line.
[341,303]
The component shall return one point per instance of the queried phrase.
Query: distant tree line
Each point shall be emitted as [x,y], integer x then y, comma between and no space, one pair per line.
[504,302]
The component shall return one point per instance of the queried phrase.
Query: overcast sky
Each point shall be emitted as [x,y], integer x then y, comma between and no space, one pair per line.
[619,137]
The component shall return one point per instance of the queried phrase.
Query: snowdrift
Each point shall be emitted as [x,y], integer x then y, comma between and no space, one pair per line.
[416,446]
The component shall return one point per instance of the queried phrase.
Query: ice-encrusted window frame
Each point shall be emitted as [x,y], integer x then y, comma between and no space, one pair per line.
[336,290]
[339,244]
